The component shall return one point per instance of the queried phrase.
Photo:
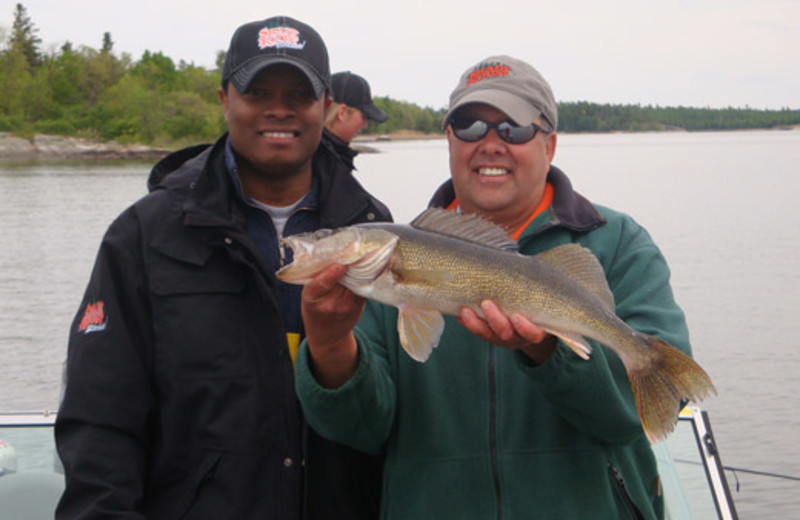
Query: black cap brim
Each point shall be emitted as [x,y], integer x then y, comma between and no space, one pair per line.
[245,74]
[374,113]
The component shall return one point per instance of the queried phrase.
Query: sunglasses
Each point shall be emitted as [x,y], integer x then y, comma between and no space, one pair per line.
[473,130]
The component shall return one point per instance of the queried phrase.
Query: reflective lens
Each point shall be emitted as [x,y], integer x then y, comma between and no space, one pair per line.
[472,130]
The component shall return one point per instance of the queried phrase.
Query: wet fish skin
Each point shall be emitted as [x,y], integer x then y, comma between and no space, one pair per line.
[442,262]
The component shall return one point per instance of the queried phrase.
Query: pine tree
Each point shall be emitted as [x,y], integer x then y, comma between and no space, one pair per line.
[24,39]
[108,45]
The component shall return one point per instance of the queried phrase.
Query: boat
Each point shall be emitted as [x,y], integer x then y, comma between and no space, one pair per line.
[692,475]
[31,477]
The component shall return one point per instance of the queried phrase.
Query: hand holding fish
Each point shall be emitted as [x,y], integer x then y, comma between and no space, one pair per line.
[330,312]
[514,332]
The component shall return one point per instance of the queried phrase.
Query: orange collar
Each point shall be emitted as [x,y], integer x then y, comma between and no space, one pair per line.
[547,199]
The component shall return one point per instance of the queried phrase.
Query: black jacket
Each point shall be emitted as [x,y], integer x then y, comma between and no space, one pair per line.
[180,399]
[342,149]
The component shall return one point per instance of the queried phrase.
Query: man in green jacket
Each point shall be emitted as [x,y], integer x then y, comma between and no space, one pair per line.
[503,421]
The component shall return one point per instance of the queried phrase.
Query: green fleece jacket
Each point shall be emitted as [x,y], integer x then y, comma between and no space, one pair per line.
[478,432]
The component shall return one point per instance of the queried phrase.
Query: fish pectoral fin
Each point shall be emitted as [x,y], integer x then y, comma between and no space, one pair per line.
[419,330]
[575,342]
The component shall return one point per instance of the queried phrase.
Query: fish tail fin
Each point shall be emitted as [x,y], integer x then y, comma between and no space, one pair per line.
[667,377]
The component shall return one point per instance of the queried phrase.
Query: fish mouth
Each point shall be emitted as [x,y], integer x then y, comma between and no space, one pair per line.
[365,258]
[308,262]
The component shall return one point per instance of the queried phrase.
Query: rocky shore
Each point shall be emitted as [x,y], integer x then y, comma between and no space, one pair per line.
[53,147]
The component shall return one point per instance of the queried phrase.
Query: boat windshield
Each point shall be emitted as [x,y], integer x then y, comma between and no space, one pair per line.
[31,477]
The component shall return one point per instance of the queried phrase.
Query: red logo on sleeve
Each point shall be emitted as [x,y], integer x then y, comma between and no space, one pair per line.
[94,318]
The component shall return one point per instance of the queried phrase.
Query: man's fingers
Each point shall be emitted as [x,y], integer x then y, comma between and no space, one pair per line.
[527,330]
[325,281]
[499,323]
[473,323]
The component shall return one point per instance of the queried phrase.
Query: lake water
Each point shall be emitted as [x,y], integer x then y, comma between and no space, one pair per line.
[722,206]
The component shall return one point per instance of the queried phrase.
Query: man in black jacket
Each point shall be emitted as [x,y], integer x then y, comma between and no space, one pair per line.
[347,116]
[179,398]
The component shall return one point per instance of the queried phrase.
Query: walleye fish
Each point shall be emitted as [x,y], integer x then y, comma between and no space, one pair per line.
[443,261]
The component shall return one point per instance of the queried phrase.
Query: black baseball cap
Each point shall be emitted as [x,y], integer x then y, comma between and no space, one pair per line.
[280,39]
[353,90]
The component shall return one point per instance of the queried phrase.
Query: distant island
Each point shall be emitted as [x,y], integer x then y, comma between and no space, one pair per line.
[138,107]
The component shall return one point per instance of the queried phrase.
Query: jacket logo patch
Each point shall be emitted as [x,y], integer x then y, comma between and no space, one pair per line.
[94,318]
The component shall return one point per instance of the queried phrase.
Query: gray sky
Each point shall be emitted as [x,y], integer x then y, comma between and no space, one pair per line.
[699,53]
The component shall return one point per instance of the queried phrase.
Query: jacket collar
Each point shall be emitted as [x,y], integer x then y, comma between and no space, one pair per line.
[310,199]
[211,199]
[569,209]
[340,148]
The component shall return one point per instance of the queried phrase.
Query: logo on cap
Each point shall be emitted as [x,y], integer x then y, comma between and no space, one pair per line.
[497,70]
[280,38]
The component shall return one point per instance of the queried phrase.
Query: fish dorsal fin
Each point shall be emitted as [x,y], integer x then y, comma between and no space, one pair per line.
[471,228]
[580,264]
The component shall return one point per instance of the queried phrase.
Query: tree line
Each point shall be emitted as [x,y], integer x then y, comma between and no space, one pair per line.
[100,94]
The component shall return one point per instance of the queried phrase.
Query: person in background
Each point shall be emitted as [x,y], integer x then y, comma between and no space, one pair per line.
[179,398]
[348,114]
[503,420]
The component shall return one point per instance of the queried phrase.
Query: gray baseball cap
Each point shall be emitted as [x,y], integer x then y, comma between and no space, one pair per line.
[511,86]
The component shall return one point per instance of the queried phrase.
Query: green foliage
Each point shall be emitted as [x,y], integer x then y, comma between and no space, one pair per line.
[54,127]
[95,93]
[591,117]
[406,116]
[158,71]
[24,39]
[15,81]
[108,44]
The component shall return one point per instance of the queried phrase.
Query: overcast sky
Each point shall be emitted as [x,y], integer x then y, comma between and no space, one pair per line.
[699,53]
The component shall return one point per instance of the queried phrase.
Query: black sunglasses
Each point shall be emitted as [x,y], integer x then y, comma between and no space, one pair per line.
[473,130]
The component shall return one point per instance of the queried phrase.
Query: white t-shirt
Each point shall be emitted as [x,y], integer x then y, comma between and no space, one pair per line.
[279,214]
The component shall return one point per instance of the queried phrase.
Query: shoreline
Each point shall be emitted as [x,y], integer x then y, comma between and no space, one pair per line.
[44,147]
[56,147]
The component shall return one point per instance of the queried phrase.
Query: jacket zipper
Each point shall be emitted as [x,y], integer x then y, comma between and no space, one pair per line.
[620,482]
[493,431]
[279,236]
